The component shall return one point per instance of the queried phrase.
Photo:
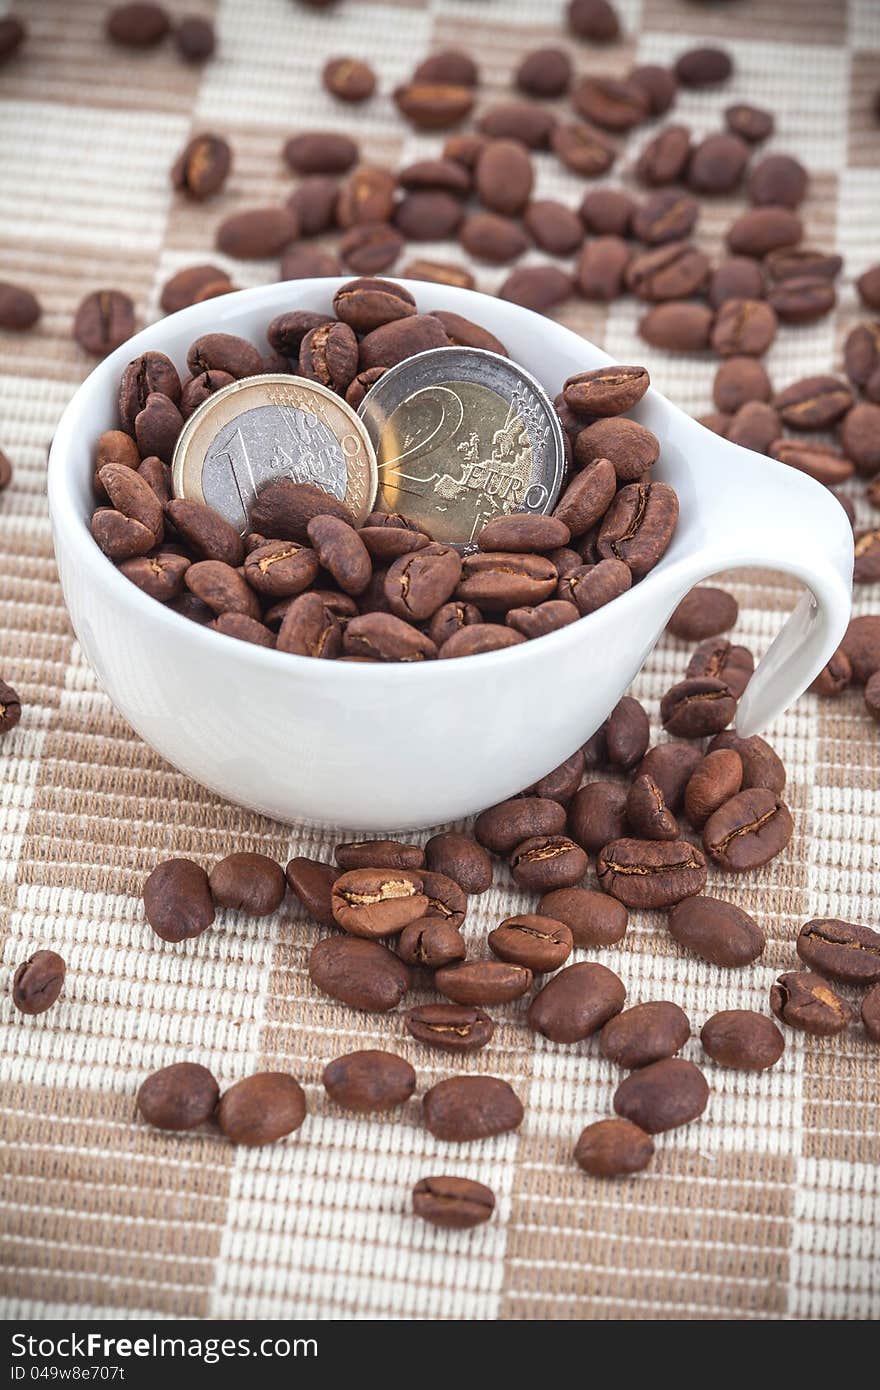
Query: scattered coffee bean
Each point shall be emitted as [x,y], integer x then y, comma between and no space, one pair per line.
[363,974]
[137,25]
[539,943]
[576,1002]
[202,167]
[460,858]
[806,1001]
[717,164]
[717,931]
[762,230]
[743,1039]
[433,105]
[369,1082]
[321,152]
[453,1027]
[697,707]
[195,39]
[872,697]
[349,79]
[103,321]
[713,782]
[703,67]
[670,765]
[245,882]
[455,1204]
[483,982]
[38,981]
[532,125]
[761,766]
[662,1096]
[178,1097]
[177,900]
[677,326]
[841,950]
[704,612]
[749,830]
[262,1108]
[613,1149]
[597,815]
[750,123]
[19,309]
[464,1108]
[645,1034]
[651,873]
[740,277]
[871,1013]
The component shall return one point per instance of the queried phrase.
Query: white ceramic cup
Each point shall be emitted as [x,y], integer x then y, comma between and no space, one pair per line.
[377,747]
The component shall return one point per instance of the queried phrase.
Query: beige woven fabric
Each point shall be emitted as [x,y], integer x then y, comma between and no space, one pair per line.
[766,1208]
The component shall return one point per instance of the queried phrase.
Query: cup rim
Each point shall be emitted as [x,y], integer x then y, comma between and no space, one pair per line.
[72,534]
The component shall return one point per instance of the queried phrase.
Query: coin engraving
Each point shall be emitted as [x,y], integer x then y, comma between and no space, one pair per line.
[263,428]
[462,436]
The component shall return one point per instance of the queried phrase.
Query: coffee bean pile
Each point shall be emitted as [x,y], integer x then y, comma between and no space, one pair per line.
[651,818]
[309,580]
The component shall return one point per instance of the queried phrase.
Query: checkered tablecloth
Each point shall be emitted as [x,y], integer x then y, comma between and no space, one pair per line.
[766,1208]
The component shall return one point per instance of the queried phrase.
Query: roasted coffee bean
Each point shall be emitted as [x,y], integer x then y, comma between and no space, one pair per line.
[157,427]
[813,403]
[740,277]
[583,149]
[133,496]
[431,943]
[243,628]
[393,342]
[647,814]
[329,355]
[716,779]
[286,332]
[870,1012]
[439,273]
[592,586]
[872,697]
[762,230]
[609,102]
[369,1082]
[310,628]
[716,421]
[532,125]
[629,446]
[703,67]
[261,1108]
[658,85]
[777,180]
[677,326]
[148,374]
[670,765]
[194,39]
[806,1001]
[664,158]
[546,617]
[283,509]
[834,678]
[802,299]
[38,981]
[450,619]
[257,233]
[704,612]
[371,247]
[576,1002]
[673,271]
[662,1096]
[453,1027]
[312,881]
[120,537]
[192,608]
[387,543]
[601,267]
[750,123]
[197,390]
[595,750]
[177,900]
[447,175]
[523,531]
[607,211]
[489,237]
[117,447]
[433,105]
[651,873]
[627,733]
[860,437]
[797,262]
[743,327]
[749,830]
[202,167]
[553,227]
[19,309]
[503,176]
[743,1039]
[545,72]
[597,815]
[861,355]
[755,426]
[718,163]
[738,381]
[464,149]
[320,152]
[820,461]
[761,766]
[561,783]
[348,79]
[841,950]
[448,65]
[461,332]
[595,20]
[868,286]
[12,35]
[138,25]
[341,552]
[501,580]
[593,918]
[483,982]
[539,943]
[222,588]
[383,637]
[717,931]
[536,287]
[446,900]
[314,204]
[428,214]
[613,1149]
[548,861]
[455,1204]
[697,707]
[366,196]
[223,352]
[861,644]
[665,216]
[377,902]
[378,854]
[608,391]
[463,1108]
[178,1097]
[460,858]
[645,1034]
[103,321]
[417,584]
[160,575]
[363,974]
[246,882]
[281,569]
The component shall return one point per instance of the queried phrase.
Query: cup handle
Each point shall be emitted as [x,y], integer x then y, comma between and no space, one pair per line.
[768,514]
